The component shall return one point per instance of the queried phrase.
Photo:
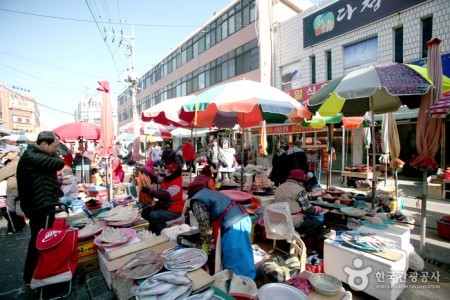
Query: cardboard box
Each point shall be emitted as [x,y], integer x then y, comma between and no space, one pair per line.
[109,267]
[86,248]
[88,263]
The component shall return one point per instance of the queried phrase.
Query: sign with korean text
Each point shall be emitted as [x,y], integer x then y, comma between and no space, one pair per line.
[20,102]
[345,15]
[23,127]
[22,120]
[284,129]
[304,93]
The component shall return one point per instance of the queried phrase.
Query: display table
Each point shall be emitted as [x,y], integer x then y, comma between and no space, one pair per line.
[376,276]
[364,175]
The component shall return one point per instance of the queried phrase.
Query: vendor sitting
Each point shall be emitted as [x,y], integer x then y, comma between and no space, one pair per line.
[294,192]
[170,199]
[206,177]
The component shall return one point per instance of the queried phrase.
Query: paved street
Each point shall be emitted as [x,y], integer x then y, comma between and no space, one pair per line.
[437,258]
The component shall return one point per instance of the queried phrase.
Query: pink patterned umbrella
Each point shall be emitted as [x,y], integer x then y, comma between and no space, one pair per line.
[429,129]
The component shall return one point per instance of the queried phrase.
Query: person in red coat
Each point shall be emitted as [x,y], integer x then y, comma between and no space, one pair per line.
[189,155]
[170,199]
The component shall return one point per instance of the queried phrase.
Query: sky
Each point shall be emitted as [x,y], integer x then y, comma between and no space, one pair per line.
[56,49]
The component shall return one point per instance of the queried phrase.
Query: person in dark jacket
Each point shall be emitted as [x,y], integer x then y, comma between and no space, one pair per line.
[168,156]
[296,158]
[215,210]
[39,190]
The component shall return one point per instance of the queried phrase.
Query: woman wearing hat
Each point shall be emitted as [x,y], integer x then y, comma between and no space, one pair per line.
[294,192]
[221,218]
[170,199]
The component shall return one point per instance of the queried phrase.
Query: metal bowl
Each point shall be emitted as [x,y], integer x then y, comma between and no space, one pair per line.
[325,284]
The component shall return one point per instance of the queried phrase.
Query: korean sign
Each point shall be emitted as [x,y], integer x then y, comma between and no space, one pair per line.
[346,15]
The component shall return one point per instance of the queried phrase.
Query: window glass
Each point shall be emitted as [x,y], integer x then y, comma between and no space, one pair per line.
[254,59]
[313,69]
[208,40]
[224,30]
[195,49]
[201,44]
[427,31]
[398,45]
[231,68]
[225,71]
[239,65]
[189,53]
[246,15]
[329,65]
[247,62]
[252,12]
[231,25]
[218,33]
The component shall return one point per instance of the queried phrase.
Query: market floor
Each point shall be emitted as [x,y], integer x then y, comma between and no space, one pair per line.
[92,286]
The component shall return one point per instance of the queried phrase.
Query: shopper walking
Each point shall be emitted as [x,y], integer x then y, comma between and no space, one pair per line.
[39,191]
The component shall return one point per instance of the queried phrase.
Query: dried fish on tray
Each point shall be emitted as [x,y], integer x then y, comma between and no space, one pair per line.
[125,213]
[90,230]
[171,285]
[113,211]
[188,259]
[143,265]
[111,237]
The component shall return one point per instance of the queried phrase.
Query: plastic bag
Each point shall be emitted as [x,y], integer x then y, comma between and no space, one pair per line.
[416,262]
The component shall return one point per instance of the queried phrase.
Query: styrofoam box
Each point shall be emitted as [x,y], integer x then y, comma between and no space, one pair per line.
[397,233]
[339,261]
[107,275]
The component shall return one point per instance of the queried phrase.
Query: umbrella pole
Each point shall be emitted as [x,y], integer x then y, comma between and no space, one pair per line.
[374,163]
[242,159]
[423,213]
[107,179]
[396,183]
[330,153]
[443,147]
[344,151]
[190,172]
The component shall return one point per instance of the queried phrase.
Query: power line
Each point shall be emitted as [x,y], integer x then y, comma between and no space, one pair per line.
[103,38]
[51,108]
[101,22]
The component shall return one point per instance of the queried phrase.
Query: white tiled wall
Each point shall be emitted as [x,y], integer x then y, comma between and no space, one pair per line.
[288,37]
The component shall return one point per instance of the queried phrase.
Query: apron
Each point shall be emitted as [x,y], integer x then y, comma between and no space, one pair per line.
[216,227]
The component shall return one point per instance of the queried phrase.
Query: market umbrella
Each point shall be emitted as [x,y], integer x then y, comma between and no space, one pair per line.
[428,130]
[151,128]
[75,131]
[394,148]
[106,121]
[169,112]
[106,133]
[246,103]
[376,89]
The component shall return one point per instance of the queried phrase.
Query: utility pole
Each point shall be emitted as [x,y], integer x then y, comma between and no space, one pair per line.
[132,79]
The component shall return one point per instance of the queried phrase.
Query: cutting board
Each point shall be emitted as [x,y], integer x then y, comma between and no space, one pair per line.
[200,280]
[389,255]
